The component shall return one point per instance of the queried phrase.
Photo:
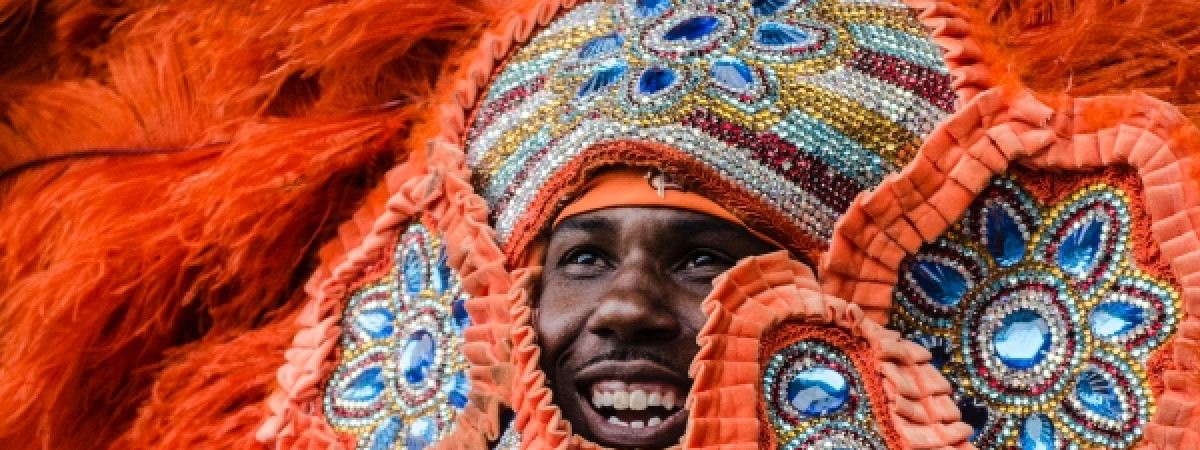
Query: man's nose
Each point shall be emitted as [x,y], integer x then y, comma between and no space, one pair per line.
[634,307]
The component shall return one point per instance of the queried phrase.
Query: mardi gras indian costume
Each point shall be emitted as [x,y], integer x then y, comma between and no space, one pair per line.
[317,224]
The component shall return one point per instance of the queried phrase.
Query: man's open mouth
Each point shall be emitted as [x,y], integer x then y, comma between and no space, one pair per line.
[636,404]
[633,403]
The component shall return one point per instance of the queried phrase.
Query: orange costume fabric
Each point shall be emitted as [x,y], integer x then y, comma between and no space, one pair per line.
[189,192]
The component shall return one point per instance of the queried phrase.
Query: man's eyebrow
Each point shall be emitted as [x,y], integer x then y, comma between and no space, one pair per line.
[586,224]
[703,225]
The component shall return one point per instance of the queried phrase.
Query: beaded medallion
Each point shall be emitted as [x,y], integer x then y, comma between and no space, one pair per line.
[816,398]
[401,378]
[1040,318]
[804,103]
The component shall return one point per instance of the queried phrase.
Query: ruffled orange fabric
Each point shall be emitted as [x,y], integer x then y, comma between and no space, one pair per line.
[760,298]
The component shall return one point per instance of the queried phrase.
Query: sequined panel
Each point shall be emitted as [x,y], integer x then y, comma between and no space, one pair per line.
[1040,318]
[818,98]
[816,398]
[401,378]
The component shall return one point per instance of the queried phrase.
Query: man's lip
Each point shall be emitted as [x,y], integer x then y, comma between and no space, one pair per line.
[630,370]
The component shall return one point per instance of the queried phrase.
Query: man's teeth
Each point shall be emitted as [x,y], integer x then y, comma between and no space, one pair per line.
[651,422]
[635,399]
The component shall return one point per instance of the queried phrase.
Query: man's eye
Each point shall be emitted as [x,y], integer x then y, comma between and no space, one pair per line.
[705,260]
[583,257]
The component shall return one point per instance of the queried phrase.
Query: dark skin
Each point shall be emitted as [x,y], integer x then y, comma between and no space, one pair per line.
[618,314]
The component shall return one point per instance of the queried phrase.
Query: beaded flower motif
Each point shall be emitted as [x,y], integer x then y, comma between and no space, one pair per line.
[401,377]
[1040,318]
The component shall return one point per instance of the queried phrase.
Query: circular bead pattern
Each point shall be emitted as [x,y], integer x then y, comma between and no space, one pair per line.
[401,376]
[816,398]
[1040,318]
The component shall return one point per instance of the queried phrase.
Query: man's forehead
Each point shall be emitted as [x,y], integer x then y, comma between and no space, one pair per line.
[673,220]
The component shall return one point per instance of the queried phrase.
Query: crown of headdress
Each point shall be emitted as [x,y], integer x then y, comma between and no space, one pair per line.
[795,104]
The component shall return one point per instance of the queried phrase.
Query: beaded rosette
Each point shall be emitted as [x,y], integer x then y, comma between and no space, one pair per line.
[802,103]
[401,376]
[1041,318]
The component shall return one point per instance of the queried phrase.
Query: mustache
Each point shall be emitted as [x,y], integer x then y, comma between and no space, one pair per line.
[628,354]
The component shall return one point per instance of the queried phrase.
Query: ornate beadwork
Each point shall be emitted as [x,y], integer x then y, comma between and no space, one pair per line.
[401,378]
[818,98]
[816,398]
[1040,318]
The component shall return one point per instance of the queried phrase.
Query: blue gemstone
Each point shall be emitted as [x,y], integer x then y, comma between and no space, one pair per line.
[651,8]
[416,358]
[1098,393]
[377,322]
[366,386]
[384,436]
[1037,433]
[1004,239]
[1115,318]
[939,348]
[443,275]
[421,433]
[1022,340]
[655,79]
[459,387]
[732,73]
[941,283]
[1077,253]
[768,7]
[414,275]
[693,29]
[458,312]
[817,390]
[600,45]
[778,34]
[603,77]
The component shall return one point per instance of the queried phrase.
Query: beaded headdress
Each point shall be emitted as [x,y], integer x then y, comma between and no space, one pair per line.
[796,104]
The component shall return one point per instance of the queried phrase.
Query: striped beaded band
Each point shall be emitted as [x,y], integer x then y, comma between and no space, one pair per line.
[801,103]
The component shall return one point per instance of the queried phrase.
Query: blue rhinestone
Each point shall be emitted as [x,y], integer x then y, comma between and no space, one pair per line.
[974,413]
[416,358]
[1005,242]
[938,347]
[366,386]
[693,29]
[817,390]
[600,45]
[1098,393]
[377,322]
[1022,340]
[1037,433]
[443,275]
[1113,319]
[1078,251]
[655,79]
[768,7]
[778,34]
[940,282]
[414,275]
[603,77]
[421,433]
[651,8]
[384,436]
[732,73]
[458,312]
[459,387]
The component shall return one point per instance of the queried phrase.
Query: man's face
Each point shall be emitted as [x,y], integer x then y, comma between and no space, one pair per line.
[618,314]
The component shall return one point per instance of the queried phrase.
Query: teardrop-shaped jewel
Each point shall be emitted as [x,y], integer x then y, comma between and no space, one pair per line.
[443,275]
[366,386]
[1078,251]
[1113,319]
[384,436]
[421,433]
[417,355]
[817,390]
[1037,433]
[1098,394]
[655,79]
[768,7]
[780,35]
[601,45]
[692,29]
[458,313]
[459,387]
[414,273]
[377,322]
[732,73]
[651,8]
[1004,239]
[1022,339]
[940,282]
[603,77]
